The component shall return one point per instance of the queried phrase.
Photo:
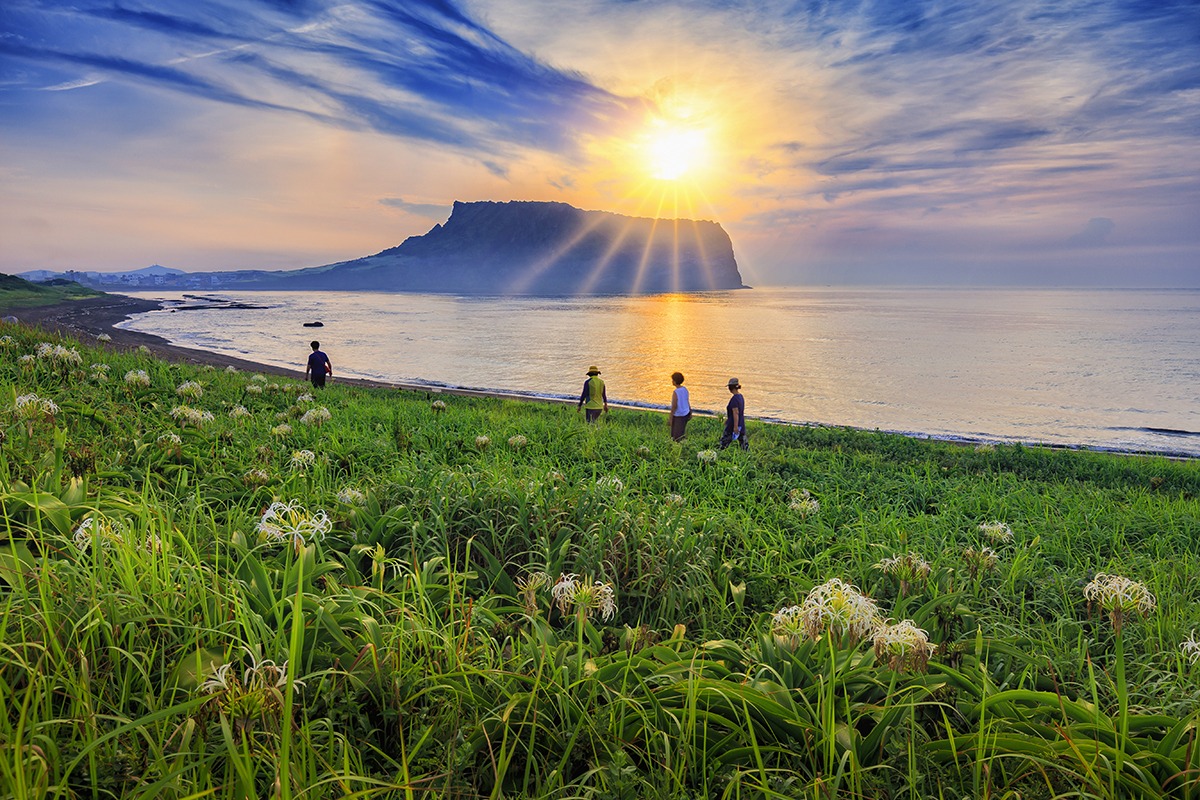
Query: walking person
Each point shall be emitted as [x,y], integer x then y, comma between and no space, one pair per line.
[681,407]
[594,399]
[318,366]
[735,417]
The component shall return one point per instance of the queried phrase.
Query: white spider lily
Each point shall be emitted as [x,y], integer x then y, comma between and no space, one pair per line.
[351,497]
[316,416]
[303,459]
[584,597]
[190,389]
[137,377]
[1119,597]
[292,522]
[1191,648]
[996,531]
[904,645]
[838,608]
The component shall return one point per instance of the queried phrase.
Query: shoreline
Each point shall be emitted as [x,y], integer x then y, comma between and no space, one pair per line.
[88,318]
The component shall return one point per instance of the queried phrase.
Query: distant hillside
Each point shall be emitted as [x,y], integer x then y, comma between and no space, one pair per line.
[517,247]
[19,293]
[541,248]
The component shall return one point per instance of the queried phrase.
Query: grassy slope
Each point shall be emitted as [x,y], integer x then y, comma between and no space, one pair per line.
[19,293]
[429,660]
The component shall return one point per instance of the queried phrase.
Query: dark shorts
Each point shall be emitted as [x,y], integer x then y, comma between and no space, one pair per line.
[679,426]
[318,380]
[592,414]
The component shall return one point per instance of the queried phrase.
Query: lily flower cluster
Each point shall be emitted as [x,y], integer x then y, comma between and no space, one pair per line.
[438,406]
[239,412]
[292,522]
[31,407]
[303,459]
[517,442]
[137,377]
[254,697]
[316,416]
[256,477]
[996,531]
[909,568]
[583,598]
[528,585]
[610,483]
[100,529]
[351,497]
[482,442]
[58,355]
[186,415]
[282,430]
[706,456]
[99,372]
[1191,648]
[840,610]
[171,443]
[904,645]
[1119,597]
[190,389]
[253,388]
[801,501]
[833,607]
[982,559]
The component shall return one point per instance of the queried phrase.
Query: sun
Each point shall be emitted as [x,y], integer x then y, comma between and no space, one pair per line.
[673,151]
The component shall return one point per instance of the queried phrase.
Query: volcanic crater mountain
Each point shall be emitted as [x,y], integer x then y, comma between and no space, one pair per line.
[541,248]
[497,248]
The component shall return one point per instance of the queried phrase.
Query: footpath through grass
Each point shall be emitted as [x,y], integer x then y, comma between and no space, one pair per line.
[213,584]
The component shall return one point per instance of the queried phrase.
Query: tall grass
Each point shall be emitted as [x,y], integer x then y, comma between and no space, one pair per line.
[381,637]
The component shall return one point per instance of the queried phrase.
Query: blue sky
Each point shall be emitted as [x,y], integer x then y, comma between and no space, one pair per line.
[903,142]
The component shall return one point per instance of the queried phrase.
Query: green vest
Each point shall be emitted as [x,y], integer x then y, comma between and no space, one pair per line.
[595,397]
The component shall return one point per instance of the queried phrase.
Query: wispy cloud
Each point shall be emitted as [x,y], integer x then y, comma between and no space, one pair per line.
[851,130]
[422,69]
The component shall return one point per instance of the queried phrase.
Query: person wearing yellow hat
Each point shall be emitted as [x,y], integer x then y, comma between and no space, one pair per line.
[594,399]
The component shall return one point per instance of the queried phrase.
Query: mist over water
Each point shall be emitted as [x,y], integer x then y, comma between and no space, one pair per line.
[1115,369]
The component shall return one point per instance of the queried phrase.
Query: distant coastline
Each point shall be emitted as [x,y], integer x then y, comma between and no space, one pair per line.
[87,319]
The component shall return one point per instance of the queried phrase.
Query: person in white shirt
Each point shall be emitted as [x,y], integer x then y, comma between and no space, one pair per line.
[681,407]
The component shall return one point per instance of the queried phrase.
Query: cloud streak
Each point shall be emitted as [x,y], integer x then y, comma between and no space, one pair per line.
[852,130]
[421,69]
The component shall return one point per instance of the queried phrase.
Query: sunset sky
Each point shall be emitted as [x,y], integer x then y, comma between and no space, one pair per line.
[895,142]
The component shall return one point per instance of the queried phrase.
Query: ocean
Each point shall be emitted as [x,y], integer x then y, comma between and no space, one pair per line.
[1103,369]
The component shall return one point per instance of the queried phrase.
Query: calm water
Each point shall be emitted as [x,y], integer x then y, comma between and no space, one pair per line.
[1105,368]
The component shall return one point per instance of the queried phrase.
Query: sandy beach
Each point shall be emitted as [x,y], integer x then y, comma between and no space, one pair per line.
[87,319]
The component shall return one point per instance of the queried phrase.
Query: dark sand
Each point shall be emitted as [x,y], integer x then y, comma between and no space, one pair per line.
[87,319]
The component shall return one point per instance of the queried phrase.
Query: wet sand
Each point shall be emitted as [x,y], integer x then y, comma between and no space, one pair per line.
[87,319]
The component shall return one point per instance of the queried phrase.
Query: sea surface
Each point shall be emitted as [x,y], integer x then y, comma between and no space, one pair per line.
[1103,369]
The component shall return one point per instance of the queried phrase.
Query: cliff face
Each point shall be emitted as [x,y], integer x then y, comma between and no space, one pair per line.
[544,248]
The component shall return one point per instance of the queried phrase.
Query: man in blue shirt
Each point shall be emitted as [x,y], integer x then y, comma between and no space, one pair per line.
[735,418]
[318,366]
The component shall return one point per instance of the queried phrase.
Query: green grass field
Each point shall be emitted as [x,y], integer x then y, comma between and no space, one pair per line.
[213,584]
[19,293]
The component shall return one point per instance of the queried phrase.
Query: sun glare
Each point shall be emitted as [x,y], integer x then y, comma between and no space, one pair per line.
[673,152]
